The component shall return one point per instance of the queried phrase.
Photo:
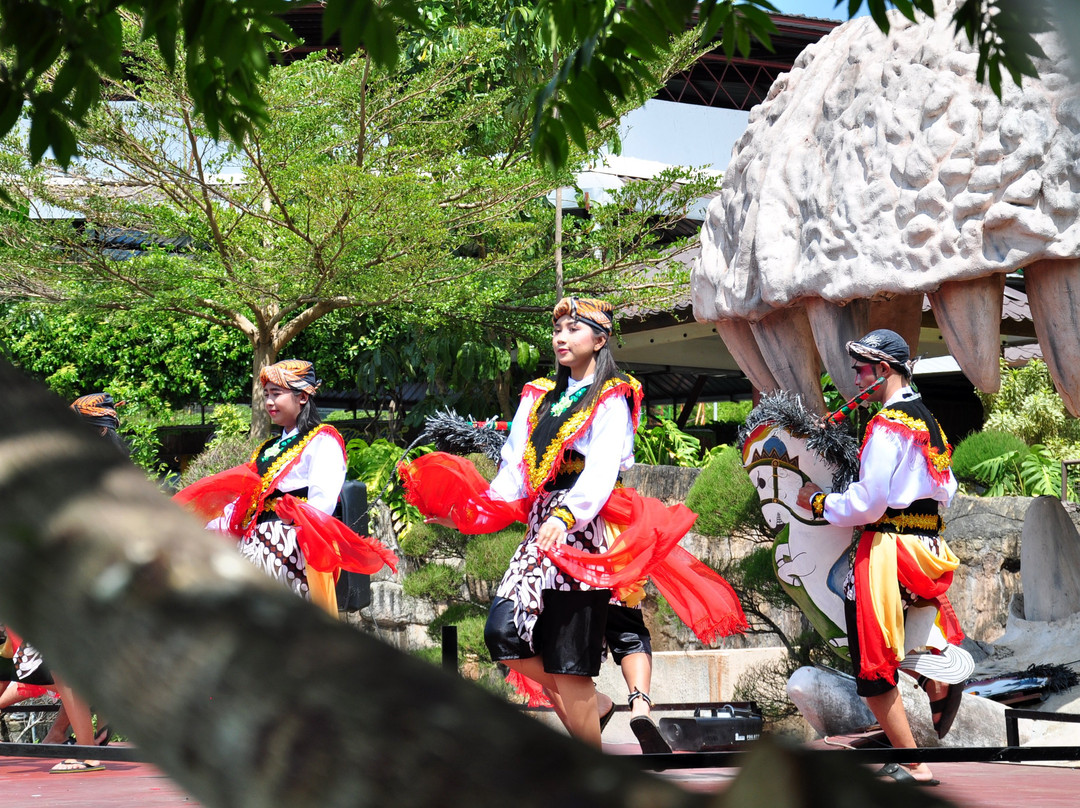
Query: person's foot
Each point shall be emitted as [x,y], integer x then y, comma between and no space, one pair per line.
[914,773]
[936,691]
[640,704]
[72,766]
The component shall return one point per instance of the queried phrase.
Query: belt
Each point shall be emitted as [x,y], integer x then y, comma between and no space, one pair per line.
[906,522]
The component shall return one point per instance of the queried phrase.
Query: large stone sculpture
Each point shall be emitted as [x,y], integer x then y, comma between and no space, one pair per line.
[878,170]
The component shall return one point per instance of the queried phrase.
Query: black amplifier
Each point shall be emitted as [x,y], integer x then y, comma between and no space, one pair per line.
[729,725]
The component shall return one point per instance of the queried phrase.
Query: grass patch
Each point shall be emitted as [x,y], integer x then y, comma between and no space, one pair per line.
[723,496]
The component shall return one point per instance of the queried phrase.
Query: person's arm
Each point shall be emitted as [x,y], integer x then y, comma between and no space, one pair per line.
[509,482]
[866,499]
[326,473]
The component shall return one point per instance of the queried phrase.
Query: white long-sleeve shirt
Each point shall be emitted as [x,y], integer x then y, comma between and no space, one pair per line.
[321,468]
[607,445]
[892,474]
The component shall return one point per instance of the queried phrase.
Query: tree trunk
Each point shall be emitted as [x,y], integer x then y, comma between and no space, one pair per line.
[243,693]
[265,354]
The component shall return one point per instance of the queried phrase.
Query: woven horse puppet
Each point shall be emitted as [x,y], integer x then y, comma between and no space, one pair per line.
[784,445]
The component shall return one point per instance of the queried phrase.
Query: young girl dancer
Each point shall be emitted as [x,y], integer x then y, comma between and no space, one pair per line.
[281,504]
[587,540]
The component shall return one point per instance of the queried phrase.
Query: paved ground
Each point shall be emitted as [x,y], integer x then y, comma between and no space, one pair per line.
[26,782]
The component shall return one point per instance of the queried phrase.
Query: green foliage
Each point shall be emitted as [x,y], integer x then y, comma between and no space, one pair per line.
[1028,406]
[435,581]
[666,445]
[61,51]
[723,496]
[488,555]
[375,464]
[755,572]
[149,358]
[230,423]
[979,447]
[140,435]
[1030,473]
[235,234]
[469,619]
[423,540]
[220,454]
[732,412]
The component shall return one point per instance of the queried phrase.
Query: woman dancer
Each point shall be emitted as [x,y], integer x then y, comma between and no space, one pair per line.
[587,541]
[281,504]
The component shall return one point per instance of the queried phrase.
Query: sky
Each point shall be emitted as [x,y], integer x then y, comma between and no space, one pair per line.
[702,137]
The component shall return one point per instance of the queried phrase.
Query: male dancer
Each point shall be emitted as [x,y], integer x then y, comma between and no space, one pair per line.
[904,475]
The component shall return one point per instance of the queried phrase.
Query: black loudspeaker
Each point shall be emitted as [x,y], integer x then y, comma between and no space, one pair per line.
[729,726]
[353,588]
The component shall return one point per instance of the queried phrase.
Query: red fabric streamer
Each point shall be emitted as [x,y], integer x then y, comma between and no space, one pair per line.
[876,659]
[209,496]
[328,544]
[444,486]
[530,689]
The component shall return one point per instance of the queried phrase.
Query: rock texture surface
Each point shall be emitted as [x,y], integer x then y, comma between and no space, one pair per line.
[1050,562]
[880,169]
[880,165]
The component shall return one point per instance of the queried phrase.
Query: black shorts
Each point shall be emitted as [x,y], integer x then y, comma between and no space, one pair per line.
[864,687]
[626,633]
[568,636]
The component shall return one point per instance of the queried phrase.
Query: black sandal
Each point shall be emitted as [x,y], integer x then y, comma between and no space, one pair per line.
[946,707]
[645,729]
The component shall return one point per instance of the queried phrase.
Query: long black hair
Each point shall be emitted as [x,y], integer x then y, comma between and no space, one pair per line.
[309,417]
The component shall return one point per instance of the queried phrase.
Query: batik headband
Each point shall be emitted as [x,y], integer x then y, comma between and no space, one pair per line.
[295,374]
[589,310]
[97,409]
[882,345]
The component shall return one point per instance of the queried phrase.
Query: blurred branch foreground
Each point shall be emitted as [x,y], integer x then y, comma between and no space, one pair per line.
[248,696]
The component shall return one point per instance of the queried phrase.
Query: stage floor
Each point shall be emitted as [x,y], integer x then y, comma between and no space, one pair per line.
[26,782]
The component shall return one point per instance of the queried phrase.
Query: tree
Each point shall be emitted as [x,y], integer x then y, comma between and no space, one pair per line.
[411,191]
[61,49]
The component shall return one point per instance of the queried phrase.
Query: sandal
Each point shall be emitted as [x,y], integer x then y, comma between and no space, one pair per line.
[605,719]
[900,774]
[945,708]
[72,766]
[645,729]
[103,736]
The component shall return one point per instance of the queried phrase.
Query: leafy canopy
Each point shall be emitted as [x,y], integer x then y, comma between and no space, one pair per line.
[607,52]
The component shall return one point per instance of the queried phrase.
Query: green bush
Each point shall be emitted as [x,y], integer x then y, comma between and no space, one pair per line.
[423,539]
[488,556]
[980,447]
[435,581]
[1028,406]
[230,421]
[723,496]
[666,445]
[469,619]
[222,454]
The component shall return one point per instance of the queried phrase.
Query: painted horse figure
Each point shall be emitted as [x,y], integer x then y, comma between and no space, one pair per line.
[784,445]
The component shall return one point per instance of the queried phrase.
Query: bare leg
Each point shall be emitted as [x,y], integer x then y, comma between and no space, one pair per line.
[888,709]
[533,667]
[637,671]
[579,700]
[10,695]
[58,732]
